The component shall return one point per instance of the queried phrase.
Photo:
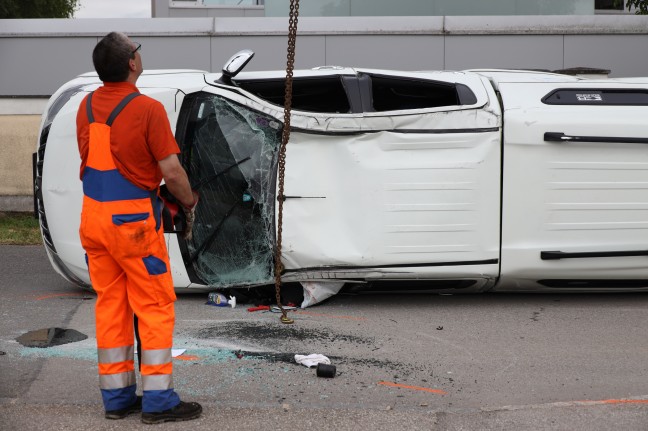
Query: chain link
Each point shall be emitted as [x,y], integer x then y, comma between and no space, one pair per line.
[285,136]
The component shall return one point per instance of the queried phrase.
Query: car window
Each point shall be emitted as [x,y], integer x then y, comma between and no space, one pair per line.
[321,94]
[364,92]
[229,152]
[397,93]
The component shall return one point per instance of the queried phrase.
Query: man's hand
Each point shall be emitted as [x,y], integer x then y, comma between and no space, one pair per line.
[190,217]
[176,181]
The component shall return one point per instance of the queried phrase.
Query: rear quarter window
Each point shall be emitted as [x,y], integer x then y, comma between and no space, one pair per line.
[395,94]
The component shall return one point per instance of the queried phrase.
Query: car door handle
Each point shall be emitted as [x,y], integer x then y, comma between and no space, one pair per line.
[300,197]
[561,137]
[555,255]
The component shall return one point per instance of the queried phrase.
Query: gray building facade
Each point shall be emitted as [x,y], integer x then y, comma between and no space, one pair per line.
[40,55]
[268,8]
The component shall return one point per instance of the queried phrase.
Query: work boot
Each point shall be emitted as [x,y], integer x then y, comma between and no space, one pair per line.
[181,412]
[136,407]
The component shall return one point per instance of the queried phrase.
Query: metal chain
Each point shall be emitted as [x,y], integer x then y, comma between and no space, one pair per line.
[292,37]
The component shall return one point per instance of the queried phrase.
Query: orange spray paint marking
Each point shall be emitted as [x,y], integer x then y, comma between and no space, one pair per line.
[56,295]
[615,402]
[187,357]
[416,388]
[308,313]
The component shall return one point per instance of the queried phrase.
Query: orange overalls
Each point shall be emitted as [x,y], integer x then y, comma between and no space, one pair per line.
[130,271]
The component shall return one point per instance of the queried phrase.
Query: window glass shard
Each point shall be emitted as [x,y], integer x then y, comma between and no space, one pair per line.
[230,153]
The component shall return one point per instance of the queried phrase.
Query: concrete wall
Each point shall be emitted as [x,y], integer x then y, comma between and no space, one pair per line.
[17,138]
[19,122]
[37,56]
[16,145]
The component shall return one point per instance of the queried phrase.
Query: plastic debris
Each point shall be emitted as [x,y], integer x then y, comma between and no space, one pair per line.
[312,360]
[220,300]
[177,352]
[276,309]
[317,291]
[324,370]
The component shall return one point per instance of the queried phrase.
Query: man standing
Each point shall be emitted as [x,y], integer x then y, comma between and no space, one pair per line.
[127,147]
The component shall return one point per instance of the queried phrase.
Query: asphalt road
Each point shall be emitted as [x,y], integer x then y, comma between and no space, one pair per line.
[404,361]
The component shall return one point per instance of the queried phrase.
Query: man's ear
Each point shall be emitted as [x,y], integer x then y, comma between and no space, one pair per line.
[131,65]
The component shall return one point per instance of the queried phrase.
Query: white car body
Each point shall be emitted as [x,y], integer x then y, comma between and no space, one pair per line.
[401,188]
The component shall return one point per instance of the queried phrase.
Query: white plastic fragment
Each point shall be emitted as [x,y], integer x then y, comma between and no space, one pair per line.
[318,291]
[312,360]
[177,352]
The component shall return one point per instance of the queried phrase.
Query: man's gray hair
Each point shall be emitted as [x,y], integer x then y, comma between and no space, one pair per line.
[111,55]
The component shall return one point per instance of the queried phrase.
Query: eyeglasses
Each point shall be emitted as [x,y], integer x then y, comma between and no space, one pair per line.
[139,46]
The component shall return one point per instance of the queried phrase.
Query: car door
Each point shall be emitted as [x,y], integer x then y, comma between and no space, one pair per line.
[575,194]
[407,187]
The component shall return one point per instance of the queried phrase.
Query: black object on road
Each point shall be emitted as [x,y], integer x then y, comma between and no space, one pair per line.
[324,370]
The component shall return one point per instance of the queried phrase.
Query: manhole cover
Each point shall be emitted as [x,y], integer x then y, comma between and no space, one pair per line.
[49,337]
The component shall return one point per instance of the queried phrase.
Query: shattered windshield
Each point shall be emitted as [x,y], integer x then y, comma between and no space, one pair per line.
[230,155]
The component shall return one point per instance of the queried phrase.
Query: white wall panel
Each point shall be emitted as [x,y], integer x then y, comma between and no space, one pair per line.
[622,54]
[190,52]
[270,52]
[406,52]
[40,65]
[514,52]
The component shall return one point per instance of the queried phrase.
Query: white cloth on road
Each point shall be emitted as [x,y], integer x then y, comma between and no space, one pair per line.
[312,359]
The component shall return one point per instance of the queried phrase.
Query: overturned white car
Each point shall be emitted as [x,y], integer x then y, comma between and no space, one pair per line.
[474,180]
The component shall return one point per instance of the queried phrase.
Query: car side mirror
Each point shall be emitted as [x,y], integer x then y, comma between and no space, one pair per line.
[235,64]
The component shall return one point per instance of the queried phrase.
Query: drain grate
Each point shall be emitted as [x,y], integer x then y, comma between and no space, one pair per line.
[49,337]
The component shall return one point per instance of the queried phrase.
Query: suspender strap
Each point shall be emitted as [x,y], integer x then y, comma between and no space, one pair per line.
[115,111]
[89,109]
[119,108]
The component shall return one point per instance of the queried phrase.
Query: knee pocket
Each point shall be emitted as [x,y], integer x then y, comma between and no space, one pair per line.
[160,279]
